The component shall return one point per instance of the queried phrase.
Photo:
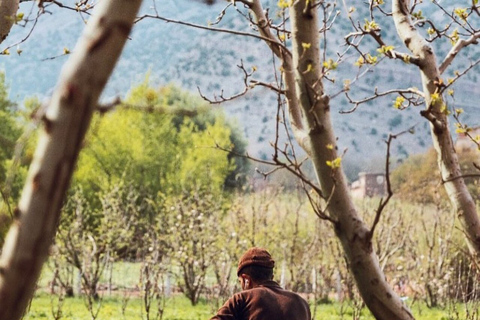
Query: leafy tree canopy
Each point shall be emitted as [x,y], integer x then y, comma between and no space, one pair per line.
[163,140]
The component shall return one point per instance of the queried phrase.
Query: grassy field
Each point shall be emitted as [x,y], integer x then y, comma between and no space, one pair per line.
[179,308]
[126,275]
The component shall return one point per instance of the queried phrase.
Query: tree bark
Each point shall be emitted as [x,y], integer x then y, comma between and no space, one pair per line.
[306,98]
[435,112]
[8,15]
[66,120]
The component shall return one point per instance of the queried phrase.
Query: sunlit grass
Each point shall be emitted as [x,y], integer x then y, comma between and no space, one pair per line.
[179,308]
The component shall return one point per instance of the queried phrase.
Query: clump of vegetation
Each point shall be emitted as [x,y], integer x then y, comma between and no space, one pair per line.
[414,181]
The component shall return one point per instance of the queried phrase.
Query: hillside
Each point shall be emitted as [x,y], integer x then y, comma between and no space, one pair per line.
[191,58]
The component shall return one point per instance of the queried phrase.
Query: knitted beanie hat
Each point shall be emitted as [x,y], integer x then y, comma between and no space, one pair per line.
[255,257]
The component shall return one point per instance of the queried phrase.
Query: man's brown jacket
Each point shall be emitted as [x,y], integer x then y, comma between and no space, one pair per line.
[265,302]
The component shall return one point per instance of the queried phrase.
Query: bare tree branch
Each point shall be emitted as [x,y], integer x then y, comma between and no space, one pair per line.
[462,43]
[436,112]
[383,202]
[402,92]
[274,42]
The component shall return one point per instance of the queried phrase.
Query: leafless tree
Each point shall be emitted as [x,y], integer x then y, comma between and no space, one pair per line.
[436,111]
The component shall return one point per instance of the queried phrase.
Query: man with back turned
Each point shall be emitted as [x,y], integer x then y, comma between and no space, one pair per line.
[261,298]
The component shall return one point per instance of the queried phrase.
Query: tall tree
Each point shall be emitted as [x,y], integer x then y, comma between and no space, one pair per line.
[310,119]
[65,121]
[436,113]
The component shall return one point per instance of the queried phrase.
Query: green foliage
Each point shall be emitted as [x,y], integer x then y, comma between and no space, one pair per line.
[179,308]
[201,164]
[9,133]
[9,128]
[127,145]
[164,141]
[415,180]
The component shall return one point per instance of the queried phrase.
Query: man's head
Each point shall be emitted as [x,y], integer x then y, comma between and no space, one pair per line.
[254,267]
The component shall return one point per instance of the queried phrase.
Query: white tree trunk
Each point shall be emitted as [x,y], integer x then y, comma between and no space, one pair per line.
[447,159]
[354,235]
[66,121]
[8,14]
[310,112]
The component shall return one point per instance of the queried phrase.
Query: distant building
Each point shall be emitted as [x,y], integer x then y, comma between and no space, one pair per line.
[464,143]
[369,185]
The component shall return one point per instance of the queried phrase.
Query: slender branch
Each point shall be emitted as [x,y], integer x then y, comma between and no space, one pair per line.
[118,103]
[456,49]
[383,202]
[24,38]
[347,86]
[197,26]
[458,75]
[476,166]
[5,197]
[267,85]
[81,7]
[377,94]
[465,128]
[222,98]
[221,15]
[375,34]
[471,175]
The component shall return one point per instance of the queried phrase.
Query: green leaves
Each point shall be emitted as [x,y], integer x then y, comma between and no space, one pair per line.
[462,13]
[158,142]
[367,59]
[385,49]
[454,37]
[398,103]
[330,64]
[418,15]
[283,4]
[335,163]
[370,25]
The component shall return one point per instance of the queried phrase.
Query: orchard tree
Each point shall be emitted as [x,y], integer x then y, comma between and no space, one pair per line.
[303,71]
[436,111]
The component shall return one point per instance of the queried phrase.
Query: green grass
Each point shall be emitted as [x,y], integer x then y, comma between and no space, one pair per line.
[179,308]
[126,275]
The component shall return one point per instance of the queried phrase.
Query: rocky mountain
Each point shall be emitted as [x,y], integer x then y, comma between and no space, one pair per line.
[194,58]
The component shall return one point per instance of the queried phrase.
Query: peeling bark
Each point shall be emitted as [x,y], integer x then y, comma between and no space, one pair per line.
[447,159]
[66,121]
[8,14]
